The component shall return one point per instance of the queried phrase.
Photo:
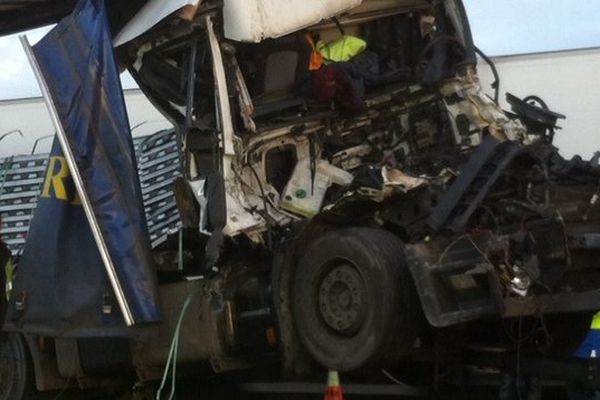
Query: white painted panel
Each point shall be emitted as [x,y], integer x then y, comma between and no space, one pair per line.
[151,14]
[255,20]
[569,82]
[32,118]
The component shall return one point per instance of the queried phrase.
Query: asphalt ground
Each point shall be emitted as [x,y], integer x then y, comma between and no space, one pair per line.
[189,391]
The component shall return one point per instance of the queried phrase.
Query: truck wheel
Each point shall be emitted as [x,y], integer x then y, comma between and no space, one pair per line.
[16,372]
[354,302]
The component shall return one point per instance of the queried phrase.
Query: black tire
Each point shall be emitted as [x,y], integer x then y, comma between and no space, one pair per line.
[354,301]
[16,371]
[4,258]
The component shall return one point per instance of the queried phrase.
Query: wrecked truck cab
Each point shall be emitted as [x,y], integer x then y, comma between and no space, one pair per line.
[275,115]
[352,149]
[349,196]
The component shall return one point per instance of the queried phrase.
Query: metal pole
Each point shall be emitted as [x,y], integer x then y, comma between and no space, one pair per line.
[39,140]
[10,133]
[85,201]
[224,116]
[191,86]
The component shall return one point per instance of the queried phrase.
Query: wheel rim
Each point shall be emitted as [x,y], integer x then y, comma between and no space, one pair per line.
[342,299]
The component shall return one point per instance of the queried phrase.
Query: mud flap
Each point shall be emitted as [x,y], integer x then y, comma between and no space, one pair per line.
[455,284]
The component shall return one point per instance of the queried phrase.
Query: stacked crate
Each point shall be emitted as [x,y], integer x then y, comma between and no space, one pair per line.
[21,178]
[158,166]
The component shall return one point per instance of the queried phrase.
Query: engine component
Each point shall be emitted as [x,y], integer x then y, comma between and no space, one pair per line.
[478,176]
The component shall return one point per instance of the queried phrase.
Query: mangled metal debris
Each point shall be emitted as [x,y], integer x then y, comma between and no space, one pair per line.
[337,120]
[342,174]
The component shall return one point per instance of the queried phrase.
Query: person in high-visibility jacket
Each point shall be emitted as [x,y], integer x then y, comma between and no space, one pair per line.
[590,348]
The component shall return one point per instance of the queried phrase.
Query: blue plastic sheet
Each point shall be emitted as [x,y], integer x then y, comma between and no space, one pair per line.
[61,287]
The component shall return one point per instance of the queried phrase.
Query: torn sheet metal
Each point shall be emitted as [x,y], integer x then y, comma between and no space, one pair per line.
[395,179]
[482,111]
[256,20]
[151,14]
[389,181]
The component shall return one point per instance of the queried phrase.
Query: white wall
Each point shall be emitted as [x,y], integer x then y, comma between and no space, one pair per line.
[569,82]
[32,118]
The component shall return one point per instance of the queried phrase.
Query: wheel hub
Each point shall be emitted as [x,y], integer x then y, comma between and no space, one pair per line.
[341,299]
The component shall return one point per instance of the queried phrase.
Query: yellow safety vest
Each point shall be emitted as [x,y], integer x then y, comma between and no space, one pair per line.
[596,322]
[343,49]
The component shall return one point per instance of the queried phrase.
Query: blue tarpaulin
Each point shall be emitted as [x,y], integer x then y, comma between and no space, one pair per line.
[61,287]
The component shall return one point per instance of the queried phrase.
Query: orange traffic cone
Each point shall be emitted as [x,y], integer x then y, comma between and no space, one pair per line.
[334,390]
